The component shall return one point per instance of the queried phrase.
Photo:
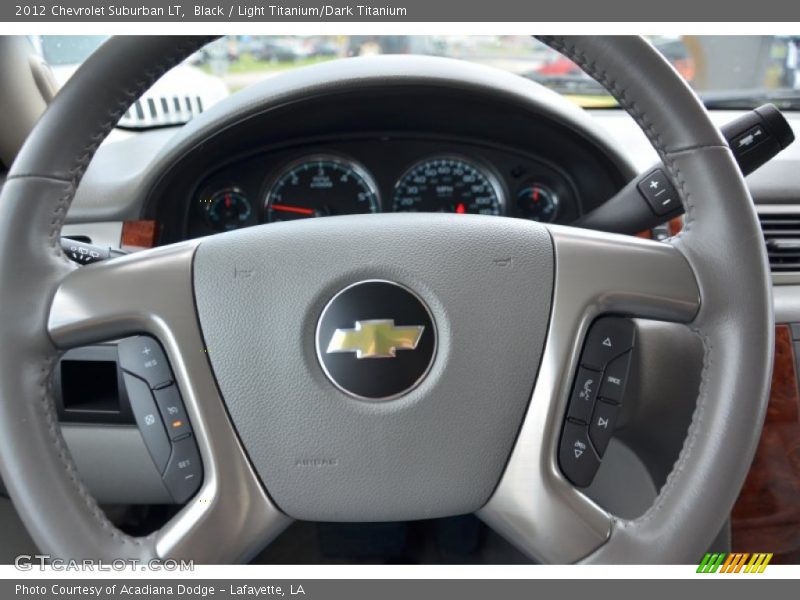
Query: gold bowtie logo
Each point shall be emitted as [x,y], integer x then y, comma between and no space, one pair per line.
[378,338]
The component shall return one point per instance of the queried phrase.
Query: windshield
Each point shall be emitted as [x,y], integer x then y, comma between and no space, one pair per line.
[736,72]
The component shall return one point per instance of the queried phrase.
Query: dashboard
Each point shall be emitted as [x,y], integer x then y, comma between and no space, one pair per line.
[343,140]
[384,173]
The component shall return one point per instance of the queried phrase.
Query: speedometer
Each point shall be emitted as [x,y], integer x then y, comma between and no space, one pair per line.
[448,184]
[319,186]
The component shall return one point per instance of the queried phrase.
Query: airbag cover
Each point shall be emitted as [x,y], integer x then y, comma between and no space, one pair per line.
[438,449]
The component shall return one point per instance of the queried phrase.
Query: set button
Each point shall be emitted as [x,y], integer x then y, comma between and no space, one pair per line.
[184,471]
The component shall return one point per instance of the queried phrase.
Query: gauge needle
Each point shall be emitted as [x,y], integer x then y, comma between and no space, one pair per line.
[461,209]
[293,209]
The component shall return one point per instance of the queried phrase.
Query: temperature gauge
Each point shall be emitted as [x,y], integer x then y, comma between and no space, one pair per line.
[227,209]
[537,202]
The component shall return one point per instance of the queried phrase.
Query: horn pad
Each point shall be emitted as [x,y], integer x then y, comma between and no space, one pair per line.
[449,314]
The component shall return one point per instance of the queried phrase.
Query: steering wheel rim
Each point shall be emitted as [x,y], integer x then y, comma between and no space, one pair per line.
[721,243]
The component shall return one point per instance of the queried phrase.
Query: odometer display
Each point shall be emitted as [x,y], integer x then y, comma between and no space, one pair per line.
[320,186]
[450,185]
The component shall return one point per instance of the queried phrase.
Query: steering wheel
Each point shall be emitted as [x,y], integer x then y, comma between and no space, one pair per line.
[281,437]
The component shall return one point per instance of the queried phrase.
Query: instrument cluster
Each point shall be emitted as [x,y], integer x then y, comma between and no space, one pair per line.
[384,175]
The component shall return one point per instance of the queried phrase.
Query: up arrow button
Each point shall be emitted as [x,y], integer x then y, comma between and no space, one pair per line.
[608,337]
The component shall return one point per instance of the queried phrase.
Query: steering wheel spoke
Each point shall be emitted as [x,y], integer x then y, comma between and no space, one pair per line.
[599,272]
[535,506]
[231,516]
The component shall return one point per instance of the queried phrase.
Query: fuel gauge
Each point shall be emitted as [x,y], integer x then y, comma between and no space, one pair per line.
[227,209]
[537,202]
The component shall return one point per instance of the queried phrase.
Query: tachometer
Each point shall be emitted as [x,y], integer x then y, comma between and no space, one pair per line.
[448,184]
[320,186]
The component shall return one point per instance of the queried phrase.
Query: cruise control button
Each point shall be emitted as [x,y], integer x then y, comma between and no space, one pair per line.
[602,426]
[608,338]
[185,470]
[142,356]
[616,378]
[576,456]
[584,393]
[148,420]
[173,412]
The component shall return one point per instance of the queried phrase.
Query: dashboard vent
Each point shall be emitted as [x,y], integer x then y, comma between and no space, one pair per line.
[782,236]
[158,111]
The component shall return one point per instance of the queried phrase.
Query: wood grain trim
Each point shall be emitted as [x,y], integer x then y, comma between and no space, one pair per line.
[766,517]
[675,225]
[139,234]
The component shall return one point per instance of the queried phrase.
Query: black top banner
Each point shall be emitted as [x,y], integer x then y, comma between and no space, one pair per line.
[400,11]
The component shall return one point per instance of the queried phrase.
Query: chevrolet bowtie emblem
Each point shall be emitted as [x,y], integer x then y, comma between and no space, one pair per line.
[378,338]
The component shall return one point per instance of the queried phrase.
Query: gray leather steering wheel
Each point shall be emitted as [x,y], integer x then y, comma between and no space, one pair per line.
[470,437]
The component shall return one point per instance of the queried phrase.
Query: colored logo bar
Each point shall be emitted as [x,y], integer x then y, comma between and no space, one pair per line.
[734,563]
